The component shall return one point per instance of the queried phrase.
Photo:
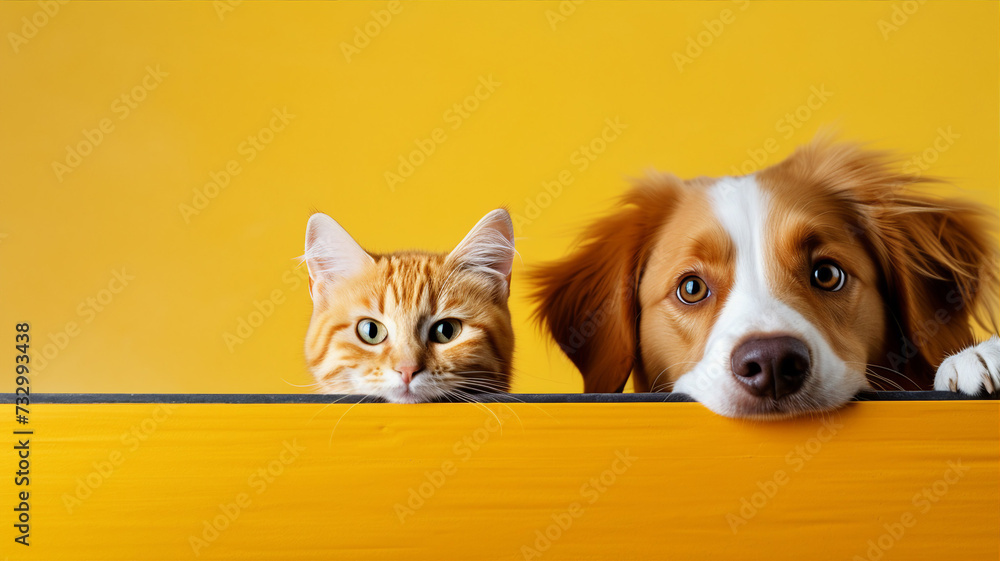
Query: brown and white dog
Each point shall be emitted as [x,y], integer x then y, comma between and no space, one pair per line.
[785,291]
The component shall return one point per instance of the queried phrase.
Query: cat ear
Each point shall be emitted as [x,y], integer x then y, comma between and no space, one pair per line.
[331,253]
[488,247]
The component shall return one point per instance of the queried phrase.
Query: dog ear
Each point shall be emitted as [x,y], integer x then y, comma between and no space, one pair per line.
[941,266]
[588,300]
[939,257]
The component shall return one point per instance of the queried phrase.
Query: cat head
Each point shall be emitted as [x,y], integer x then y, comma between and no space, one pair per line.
[411,326]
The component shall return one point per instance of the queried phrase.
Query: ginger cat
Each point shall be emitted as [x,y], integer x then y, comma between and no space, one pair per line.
[410,326]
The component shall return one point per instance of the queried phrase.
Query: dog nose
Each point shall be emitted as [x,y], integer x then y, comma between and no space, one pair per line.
[772,366]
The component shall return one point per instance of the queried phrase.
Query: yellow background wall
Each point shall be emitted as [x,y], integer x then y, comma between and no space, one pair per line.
[921,78]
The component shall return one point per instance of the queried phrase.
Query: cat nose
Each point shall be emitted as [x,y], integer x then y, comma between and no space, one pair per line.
[407,371]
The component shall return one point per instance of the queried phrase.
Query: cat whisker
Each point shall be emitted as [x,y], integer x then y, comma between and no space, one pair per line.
[477,372]
[483,392]
[466,398]
[360,401]
[496,399]
[313,385]
[499,393]
[492,385]
[338,400]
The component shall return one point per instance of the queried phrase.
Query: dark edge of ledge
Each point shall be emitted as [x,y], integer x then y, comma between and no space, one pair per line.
[111,398]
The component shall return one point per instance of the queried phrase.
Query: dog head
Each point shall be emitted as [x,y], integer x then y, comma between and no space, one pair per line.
[777,293]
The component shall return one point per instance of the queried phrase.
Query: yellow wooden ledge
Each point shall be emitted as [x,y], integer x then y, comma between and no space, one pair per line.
[876,480]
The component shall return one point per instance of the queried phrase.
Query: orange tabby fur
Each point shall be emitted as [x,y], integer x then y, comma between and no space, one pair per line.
[409,292]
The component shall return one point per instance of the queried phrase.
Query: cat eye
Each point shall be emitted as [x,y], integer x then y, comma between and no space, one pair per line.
[371,331]
[692,290]
[828,276]
[445,330]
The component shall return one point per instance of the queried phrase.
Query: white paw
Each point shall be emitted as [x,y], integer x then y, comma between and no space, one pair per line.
[972,369]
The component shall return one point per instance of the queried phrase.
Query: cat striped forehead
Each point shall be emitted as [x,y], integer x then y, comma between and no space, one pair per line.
[419,283]
[405,280]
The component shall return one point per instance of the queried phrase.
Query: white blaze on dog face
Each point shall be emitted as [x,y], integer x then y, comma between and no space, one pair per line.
[759,299]
[778,293]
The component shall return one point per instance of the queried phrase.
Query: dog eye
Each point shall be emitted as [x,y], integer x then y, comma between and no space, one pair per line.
[371,331]
[692,290]
[445,330]
[828,276]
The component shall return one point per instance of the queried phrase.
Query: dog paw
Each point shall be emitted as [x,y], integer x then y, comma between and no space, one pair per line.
[971,370]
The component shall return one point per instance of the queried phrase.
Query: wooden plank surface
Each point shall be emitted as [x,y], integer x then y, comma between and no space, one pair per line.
[875,480]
